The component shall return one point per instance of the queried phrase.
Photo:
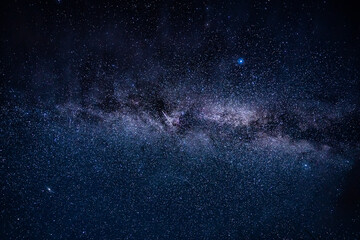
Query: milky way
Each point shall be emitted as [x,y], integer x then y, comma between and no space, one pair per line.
[164,120]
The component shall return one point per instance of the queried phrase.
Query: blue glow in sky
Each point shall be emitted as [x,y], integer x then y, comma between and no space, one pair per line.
[240,61]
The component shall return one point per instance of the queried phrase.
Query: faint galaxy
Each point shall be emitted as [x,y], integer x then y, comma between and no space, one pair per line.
[180,120]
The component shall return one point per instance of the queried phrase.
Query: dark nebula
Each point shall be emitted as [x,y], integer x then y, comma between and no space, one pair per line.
[180,120]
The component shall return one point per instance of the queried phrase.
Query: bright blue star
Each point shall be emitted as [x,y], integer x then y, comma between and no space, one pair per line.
[240,61]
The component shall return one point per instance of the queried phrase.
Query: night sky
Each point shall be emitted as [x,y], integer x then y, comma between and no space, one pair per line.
[179,120]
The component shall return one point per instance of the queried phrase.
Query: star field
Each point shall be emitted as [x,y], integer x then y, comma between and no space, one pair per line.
[179,120]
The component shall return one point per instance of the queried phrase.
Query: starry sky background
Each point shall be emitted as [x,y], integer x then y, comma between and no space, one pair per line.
[180,120]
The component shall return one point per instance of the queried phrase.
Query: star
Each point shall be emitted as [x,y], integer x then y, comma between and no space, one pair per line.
[240,61]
